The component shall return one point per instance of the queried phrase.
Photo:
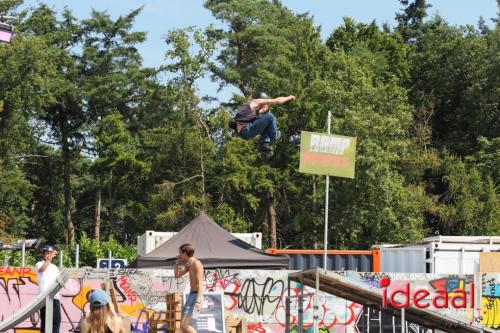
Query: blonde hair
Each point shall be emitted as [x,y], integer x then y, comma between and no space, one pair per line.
[98,318]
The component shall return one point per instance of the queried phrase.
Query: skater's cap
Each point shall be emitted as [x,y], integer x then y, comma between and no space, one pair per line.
[260,95]
[48,248]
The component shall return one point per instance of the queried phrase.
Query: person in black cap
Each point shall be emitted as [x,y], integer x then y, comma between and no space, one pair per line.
[253,118]
[101,318]
[47,274]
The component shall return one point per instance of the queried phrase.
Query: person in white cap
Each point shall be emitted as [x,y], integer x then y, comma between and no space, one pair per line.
[101,318]
[47,273]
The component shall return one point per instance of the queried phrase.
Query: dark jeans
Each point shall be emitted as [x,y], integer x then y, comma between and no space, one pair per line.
[56,319]
[265,126]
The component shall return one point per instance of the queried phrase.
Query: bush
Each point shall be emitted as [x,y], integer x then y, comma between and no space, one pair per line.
[15,258]
[92,250]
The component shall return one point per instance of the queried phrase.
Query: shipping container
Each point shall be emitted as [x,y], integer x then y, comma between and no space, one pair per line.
[443,254]
[403,259]
[337,260]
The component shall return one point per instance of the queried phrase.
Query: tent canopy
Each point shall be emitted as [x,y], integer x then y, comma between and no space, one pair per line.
[214,246]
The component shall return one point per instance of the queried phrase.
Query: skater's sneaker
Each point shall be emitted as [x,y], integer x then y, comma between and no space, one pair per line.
[265,147]
[278,136]
[266,156]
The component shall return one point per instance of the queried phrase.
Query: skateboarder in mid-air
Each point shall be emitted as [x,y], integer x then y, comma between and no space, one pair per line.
[253,118]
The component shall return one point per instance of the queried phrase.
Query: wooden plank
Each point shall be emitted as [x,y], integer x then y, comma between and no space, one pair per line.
[489,262]
[173,297]
[173,315]
[236,325]
[175,307]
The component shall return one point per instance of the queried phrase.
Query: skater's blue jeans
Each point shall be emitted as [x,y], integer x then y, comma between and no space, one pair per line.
[266,126]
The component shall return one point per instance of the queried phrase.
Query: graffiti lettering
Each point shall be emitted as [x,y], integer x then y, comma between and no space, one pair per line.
[171,282]
[220,278]
[257,295]
[255,328]
[254,295]
[490,311]
[123,284]
[8,272]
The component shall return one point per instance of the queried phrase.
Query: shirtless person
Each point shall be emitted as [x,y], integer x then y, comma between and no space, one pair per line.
[196,277]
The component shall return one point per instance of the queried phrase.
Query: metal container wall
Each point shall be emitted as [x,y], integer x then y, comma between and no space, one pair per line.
[335,262]
[439,255]
[403,260]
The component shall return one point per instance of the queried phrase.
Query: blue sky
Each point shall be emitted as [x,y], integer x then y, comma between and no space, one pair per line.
[159,16]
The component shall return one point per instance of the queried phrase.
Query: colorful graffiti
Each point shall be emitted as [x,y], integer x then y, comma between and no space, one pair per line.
[490,300]
[332,312]
[258,295]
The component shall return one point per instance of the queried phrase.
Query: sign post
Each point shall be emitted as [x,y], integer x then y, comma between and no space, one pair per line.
[327,196]
[329,155]
[114,263]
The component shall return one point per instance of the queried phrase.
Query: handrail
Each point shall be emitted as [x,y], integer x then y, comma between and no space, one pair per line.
[36,304]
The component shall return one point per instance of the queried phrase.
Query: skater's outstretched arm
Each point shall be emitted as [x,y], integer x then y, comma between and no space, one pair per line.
[260,102]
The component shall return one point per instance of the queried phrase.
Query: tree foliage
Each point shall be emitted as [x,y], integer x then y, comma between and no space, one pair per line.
[94,143]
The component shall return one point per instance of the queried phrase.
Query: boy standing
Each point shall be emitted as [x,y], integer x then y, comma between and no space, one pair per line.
[196,277]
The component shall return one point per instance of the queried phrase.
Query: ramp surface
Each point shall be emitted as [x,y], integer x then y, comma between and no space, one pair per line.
[337,285]
[36,304]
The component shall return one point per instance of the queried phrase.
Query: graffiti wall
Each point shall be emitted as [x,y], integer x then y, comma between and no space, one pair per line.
[258,295]
[490,300]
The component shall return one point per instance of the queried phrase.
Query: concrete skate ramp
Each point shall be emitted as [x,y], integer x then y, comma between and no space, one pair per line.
[335,284]
[36,304]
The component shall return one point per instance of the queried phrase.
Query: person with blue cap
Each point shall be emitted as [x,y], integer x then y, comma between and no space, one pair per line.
[253,118]
[46,274]
[101,318]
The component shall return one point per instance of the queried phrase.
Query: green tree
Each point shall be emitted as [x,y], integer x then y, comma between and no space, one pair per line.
[121,171]
[114,84]
[26,84]
[15,193]
[266,47]
[184,138]
[465,201]
[63,115]
[47,203]
[278,51]
[87,133]
[385,51]
[453,79]
[411,18]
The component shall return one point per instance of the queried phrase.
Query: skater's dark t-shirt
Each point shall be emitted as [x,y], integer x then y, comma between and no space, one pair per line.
[245,114]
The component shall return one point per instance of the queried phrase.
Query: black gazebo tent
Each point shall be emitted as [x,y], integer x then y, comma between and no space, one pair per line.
[214,246]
